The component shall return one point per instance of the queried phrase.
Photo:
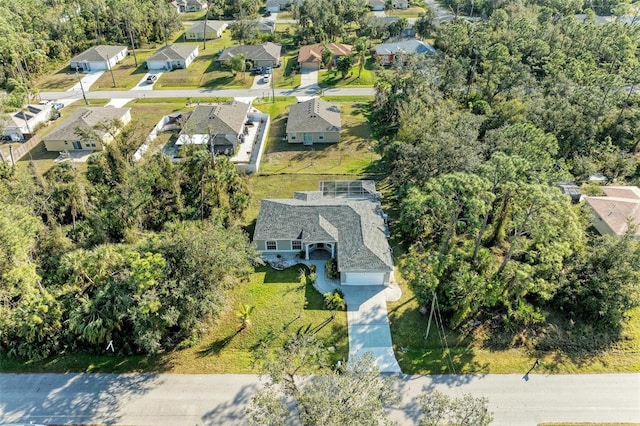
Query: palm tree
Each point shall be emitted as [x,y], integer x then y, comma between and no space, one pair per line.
[244,314]
[237,64]
[361,53]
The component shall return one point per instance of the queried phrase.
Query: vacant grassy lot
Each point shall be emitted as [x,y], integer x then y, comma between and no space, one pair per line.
[204,72]
[126,74]
[62,79]
[334,78]
[283,305]
[411,12]
[351,156]
[418,355]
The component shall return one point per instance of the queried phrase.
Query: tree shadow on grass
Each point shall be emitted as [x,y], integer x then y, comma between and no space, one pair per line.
[215,347]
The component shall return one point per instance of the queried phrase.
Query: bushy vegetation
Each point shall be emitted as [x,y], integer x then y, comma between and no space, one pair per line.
[138,253]
[512,106]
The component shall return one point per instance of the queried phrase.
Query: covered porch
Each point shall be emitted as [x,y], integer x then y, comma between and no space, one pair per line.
[320,250]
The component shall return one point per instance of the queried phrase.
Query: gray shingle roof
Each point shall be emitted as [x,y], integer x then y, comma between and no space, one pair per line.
[85,118]
[255,52]
[213,26]
[314,115]
[173,52]
[223,118]
[405,46]
[98,53]
[355,224]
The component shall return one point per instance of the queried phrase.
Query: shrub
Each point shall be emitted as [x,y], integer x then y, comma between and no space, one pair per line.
[335,300]
[331,269]
[311,278]
[313,268]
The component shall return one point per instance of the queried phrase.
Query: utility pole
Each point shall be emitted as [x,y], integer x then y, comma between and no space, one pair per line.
[81,86]
[111,70]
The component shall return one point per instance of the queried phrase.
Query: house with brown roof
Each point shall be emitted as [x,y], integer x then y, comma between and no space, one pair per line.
[313,121]
[99,58]
[310,56]
[88,129]
[619,209]
[224,124]
[175,56]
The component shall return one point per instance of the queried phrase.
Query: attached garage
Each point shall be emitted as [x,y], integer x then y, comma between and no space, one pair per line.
[364,278]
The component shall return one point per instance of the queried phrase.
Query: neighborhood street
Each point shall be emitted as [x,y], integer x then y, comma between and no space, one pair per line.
[165,399]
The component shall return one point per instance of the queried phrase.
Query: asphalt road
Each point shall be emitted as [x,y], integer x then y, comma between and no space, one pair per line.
[147,399]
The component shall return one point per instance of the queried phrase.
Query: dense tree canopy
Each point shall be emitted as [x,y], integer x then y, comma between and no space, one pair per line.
[513,105]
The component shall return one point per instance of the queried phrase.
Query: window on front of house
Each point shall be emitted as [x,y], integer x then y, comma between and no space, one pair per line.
[271,245]
[296,245]
[321,136]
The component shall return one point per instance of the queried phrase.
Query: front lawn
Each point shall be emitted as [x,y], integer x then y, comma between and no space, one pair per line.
[126,74]
[351,156]
[411,12]
[287,75]
[204,71]
[61,80]
[417,355]
[282,303]
[334,78]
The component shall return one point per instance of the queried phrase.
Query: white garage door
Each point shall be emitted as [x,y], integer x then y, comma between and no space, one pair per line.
[365,278]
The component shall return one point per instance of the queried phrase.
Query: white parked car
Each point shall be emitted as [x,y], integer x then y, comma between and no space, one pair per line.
[266,78]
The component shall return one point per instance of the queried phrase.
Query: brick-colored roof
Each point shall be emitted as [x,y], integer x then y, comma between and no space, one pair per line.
[313,52]
[622,204]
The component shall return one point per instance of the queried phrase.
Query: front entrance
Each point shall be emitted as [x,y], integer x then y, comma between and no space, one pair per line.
[320,250]
[308,139]
[77,145]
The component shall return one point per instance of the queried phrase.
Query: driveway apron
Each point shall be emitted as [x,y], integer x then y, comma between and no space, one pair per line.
[368,326]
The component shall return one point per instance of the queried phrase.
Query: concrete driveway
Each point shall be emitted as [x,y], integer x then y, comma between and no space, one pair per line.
[309,78]
[368,326]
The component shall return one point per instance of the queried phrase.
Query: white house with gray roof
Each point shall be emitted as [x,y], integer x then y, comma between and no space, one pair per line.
[225,124]
[313,121]
[348,226]
[99,58]
[21,125]
[260,55]
[172,57]
[214,29]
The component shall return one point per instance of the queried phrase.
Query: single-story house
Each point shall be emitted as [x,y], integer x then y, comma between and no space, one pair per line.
[264,27]
[313,121]
[99,58]
[214,30]
[387,51]
[191,5]
[276,6]
[401,4]
[377,5]
[613,213]
[88,129]
[224,123]
[347,226]
[260,55]
[21,125]
[173,57]
[310,56]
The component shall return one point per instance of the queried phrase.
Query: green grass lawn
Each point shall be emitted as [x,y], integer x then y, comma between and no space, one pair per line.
[285,15]
[417,355]
[334,78]
[126,73]
[204,72]
[286,75]
[351,156]
[60,80]
[283,305]
[411,12]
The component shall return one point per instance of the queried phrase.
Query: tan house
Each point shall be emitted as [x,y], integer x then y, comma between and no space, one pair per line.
[310,56]
[615,212]
[314,121]
[184,6]
[197,30]
[88,129]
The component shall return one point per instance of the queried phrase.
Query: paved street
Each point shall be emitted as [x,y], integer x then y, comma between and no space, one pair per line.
[165,399]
